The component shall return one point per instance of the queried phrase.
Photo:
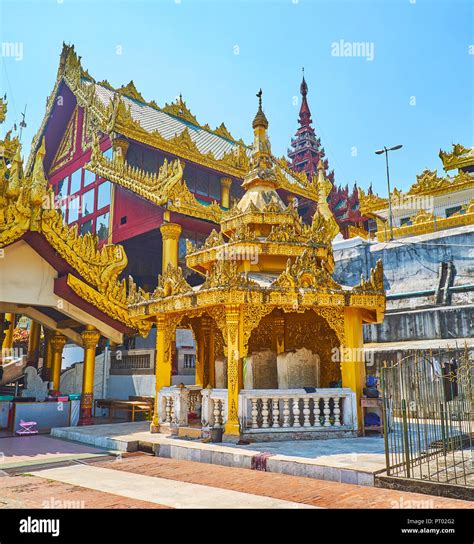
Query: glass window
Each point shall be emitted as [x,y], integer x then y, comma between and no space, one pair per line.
[75,181]
[202,184]
[73,209]
[451,211]
[214,188]
[86,227]
[88,202]
[59,188]
[89,177]
[102,226]
[62,204]
[103,195]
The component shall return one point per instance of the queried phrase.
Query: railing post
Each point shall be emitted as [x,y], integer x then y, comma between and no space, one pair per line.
[405,436]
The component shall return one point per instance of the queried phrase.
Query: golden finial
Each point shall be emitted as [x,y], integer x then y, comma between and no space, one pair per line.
[260,120]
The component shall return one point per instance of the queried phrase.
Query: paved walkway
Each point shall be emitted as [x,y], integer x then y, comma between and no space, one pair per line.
[145,479]
[173,493]
[31,450]
[325,494]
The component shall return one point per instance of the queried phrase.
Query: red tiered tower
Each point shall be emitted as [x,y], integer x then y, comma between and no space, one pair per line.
[307,150]
[304,157]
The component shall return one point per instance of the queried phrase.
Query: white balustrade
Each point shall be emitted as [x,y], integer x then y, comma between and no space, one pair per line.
[175,403]
[298,411]
[214,408]
[286,410]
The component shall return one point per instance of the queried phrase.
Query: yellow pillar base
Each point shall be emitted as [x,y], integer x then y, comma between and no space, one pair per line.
[352,368]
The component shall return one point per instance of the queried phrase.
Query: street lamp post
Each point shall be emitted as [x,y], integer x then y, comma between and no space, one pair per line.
[390,217]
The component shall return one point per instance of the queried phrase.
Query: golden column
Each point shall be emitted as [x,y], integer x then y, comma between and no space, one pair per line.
[200,355]
[352,368]
[58,341]
[33,343]
[209,352]
[48,356]
[162,368]
[90,337]
[8,340]
[232,314]
[3,333]
[278,336]
[226,184]
[170,233]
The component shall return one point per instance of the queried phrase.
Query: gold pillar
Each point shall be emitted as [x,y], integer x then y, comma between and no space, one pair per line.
[278,335]
[209,352]
[33,343]
[162,368]
[226,184]
[58,342]
[352,368]
[170,233]
[8,340]
[3,332]
[200,355]
[90,337]
[48,356]
[232,428]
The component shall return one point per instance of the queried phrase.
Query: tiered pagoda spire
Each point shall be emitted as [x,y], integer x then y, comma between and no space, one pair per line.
[307,150]
[307,156]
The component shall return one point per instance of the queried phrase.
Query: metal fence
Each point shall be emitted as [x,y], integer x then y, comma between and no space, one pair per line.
[427,417]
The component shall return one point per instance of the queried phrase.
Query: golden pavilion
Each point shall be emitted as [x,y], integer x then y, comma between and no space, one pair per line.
[279,341]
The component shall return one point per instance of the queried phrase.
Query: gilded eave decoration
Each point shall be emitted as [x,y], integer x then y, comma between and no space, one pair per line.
[459,157]
[167,187]
[370,202]
[27,204]
[429,183]
[117,117]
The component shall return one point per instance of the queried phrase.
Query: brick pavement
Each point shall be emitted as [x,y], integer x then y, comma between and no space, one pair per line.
[325,494]
[32,492]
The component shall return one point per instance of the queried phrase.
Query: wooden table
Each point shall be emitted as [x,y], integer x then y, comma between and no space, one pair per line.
[131,406]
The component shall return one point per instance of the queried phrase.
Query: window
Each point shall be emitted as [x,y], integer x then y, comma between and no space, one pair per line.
[88,203]
[103,195]
[73,209]
[202,184]
[189,360]
[86,227]
[59,188]
[451,211]
[75,181]
[102,226]
[405,221]
[214,188]
[89,177]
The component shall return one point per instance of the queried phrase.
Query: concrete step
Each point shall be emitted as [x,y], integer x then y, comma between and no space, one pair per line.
[189,432]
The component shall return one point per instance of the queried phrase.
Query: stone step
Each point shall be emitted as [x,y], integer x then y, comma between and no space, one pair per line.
[189,432]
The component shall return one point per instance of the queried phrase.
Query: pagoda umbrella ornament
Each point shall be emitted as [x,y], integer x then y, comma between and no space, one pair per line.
[379,152]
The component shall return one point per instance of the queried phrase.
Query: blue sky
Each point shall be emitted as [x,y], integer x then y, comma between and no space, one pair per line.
[418,90]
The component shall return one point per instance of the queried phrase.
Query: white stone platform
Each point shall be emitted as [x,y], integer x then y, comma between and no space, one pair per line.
[347,460]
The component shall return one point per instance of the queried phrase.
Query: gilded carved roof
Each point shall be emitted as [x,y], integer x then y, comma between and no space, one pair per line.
[263,255]
[171,128]
[459,157]
[27,204]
